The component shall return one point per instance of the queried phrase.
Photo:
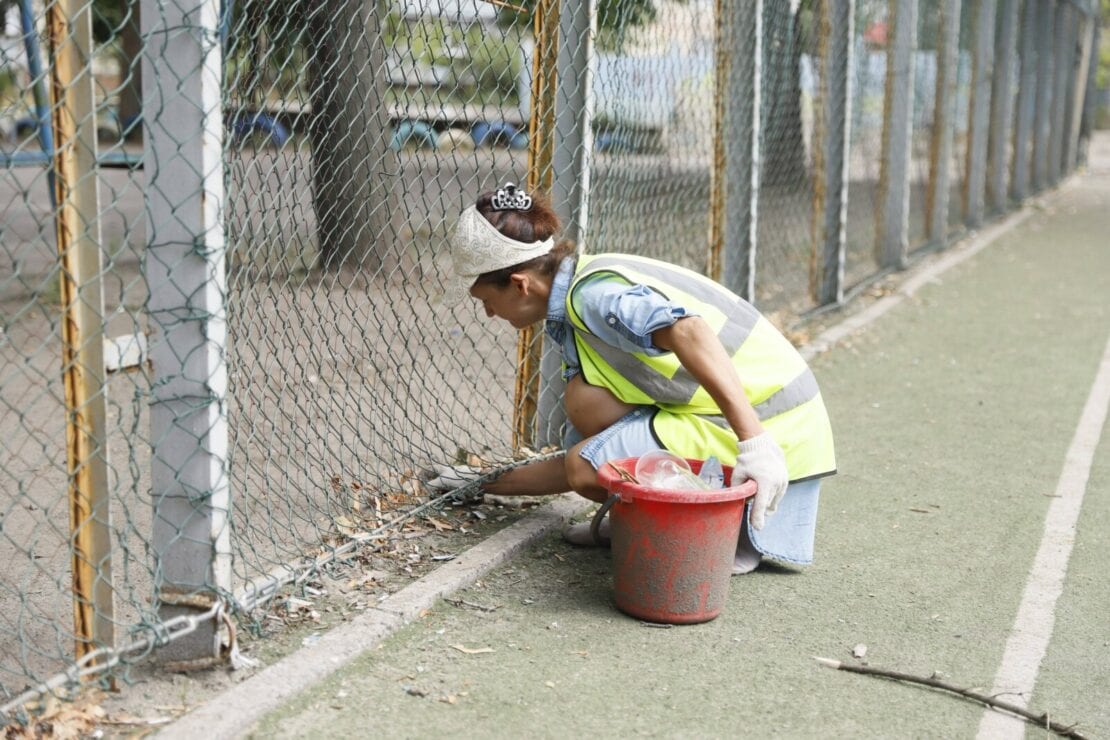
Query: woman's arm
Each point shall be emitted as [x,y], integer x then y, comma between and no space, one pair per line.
[758,456]
[702,354]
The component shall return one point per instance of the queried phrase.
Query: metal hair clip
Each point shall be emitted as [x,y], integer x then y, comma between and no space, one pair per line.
[508,198]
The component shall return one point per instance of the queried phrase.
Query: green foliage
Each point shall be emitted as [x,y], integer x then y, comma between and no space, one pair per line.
[494,63]
[615,18]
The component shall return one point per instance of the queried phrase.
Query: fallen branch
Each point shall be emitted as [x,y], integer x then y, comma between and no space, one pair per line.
[472,605]
[1041,720]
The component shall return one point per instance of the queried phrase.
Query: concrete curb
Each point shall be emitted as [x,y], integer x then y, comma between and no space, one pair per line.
[234,712]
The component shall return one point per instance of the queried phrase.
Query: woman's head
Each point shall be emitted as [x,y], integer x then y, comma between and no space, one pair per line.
[506,241]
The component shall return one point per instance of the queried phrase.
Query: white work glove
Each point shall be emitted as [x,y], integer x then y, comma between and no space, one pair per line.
[451,477]
[760,458]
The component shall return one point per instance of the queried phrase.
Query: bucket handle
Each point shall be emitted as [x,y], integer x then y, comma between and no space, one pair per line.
[595,525]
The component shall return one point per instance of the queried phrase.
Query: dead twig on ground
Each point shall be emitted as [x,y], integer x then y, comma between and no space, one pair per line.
[472,605]
[1041,720]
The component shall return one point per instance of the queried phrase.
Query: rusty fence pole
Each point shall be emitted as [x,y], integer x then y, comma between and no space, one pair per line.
[69,28]
[541,145]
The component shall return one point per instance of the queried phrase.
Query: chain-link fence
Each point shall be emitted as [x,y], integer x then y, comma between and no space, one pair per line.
[224,346]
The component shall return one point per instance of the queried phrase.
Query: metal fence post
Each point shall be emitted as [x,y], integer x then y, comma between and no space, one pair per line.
[77,221]
[1002,107]
[944,119]
[894,194]
[185,271]
[979,113]
[741,25]
[570,187]
[541,146]
[1045,20]
[1061,66]
[1077,88]
[1089,99]
[1026,102]
[830,212]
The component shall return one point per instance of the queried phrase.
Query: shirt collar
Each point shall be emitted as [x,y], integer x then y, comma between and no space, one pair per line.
[557,300]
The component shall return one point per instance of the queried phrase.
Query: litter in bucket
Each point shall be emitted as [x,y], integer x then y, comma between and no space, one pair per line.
[672,549]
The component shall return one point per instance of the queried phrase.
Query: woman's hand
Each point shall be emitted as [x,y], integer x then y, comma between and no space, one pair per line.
[762,460]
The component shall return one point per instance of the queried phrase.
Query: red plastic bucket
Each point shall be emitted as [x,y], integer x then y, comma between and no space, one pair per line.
[672,550]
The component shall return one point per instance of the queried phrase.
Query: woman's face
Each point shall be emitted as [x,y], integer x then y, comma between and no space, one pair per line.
[520,302]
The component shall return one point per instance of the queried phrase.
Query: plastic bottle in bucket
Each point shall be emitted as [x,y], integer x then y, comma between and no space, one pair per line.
[666,470]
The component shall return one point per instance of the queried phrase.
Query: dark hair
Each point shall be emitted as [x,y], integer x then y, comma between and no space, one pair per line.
[536,224]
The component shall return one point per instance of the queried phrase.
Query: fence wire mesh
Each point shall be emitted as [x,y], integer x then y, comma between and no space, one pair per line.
[222,249]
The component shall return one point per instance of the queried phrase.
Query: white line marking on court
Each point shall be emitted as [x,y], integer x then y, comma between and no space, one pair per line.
[1036,615]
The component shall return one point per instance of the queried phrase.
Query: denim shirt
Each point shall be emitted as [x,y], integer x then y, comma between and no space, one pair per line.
[619,314]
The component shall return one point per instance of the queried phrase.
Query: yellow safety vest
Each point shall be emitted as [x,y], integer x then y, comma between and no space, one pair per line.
[776,379]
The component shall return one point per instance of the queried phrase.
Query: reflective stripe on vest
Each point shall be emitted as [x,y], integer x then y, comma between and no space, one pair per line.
[801,389]
[680,387]
[741,319]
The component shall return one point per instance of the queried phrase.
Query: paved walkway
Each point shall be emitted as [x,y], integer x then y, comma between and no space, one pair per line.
[964,536]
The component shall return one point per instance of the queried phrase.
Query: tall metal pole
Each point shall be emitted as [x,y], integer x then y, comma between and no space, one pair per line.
[1026,102]
[830,208]
[894,193]
[570,188]
[742,33]
[38,87]
[1063,52]
[185,272]
[69,27]
[541,145]
[1089,99]
[1077,88]
[979,114]
[1002,107]
[944,122]
[1046,17]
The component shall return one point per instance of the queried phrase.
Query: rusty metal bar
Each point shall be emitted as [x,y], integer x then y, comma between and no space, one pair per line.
[541,148]
[69,29]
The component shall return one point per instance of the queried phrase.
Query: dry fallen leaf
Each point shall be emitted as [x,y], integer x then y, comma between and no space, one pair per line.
[346,526]
[473,651]
[439,524]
